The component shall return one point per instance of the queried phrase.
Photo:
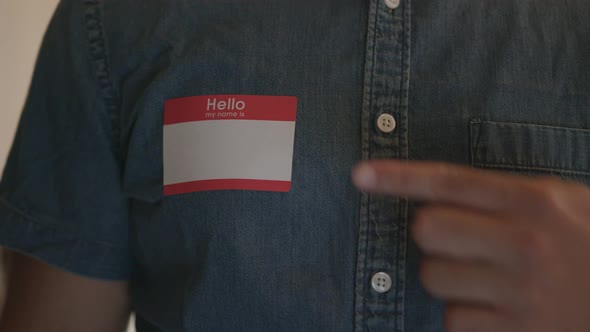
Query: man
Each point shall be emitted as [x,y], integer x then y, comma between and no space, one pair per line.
[197,156]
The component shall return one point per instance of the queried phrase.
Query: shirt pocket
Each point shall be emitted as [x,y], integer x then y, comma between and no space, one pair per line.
[531,149]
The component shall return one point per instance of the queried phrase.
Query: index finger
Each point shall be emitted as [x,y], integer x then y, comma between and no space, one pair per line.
[443,183]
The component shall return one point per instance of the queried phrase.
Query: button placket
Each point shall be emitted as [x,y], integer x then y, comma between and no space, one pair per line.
[386,123]
[380,278]
[392,4]
[381,282]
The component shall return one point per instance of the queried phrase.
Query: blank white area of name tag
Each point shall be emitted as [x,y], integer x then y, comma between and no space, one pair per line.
[228,149]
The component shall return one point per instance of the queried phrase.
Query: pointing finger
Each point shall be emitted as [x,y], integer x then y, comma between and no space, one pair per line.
[444,183]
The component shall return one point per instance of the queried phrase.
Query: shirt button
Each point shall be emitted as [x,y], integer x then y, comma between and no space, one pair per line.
[386,123]
[381,282]
[392,4]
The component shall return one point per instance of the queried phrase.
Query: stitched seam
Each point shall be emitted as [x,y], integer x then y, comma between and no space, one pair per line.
[534,168]
[578,131]
[362,240]
[97,48]
[475,130]
[33,221]
[551,89]
[403,213]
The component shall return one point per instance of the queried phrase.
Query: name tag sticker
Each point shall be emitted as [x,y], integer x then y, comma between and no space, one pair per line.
[228,142]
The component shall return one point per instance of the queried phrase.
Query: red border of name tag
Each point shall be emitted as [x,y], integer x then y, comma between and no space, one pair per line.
[254,108]
[227,184]
[231,107]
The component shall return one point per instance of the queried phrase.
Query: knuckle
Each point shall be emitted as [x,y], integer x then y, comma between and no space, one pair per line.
[532,246]
[530,299]
[454,319]
[422,222]
[428,274]
[447,181]
[547,193]
[423,214]
[442,169]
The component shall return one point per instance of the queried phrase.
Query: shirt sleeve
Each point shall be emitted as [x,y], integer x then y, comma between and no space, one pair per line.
[61,198]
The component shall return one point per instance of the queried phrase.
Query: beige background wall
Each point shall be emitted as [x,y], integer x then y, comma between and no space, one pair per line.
[22,24]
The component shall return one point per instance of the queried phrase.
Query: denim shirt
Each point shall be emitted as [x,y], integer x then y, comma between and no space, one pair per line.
[503,85]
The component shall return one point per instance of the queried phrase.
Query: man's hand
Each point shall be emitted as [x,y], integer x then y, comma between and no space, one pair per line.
[46,299]
[507,253]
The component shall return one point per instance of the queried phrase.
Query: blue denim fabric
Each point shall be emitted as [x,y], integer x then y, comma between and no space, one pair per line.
[499,85]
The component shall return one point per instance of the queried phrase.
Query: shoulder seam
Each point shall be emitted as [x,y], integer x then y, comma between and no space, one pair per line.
[98,53]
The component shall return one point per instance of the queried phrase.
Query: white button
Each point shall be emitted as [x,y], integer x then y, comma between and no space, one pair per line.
[381,282]
[386,123]
[392,4]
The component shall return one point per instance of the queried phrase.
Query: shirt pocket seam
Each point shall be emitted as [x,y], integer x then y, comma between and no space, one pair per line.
[533,168]
[535,148]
